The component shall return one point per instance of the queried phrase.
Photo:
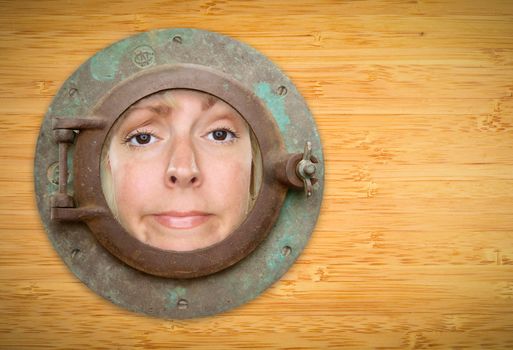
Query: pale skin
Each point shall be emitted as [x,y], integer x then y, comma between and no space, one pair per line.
[181,174]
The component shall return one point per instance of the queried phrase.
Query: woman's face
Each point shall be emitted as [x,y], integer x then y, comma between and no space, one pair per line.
[180,171]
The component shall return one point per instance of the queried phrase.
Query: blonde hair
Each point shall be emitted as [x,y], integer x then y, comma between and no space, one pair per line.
[166,98]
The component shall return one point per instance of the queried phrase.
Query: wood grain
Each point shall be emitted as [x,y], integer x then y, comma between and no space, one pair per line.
[414,245]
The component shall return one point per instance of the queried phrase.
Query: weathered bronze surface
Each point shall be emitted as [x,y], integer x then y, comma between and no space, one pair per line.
[128,272]
[108,231]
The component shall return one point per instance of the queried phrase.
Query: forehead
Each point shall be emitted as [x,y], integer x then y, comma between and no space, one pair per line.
[176,98]
[163,103]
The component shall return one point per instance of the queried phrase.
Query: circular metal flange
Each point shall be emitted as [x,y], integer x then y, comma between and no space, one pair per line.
[93,209]
[107,84]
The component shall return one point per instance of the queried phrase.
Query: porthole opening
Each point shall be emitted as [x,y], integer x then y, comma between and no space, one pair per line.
[180,169]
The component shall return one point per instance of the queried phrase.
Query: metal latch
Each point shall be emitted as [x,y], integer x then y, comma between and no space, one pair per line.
[62,204]
[306,169]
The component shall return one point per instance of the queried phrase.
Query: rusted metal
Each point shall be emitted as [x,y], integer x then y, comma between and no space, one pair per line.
[292,170]
[64,135]
[62,199]
[285,170]
[108,259]
[108,231]
[69,213]
[68,124]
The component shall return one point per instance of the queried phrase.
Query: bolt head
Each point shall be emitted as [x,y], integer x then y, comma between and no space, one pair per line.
[309,169]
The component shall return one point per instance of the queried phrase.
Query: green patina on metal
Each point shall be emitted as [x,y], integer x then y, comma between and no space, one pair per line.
[53,175]
[286,233]
[176,294]
[181,36]
[275,103]
[70,170]
[105,64]
[242,282]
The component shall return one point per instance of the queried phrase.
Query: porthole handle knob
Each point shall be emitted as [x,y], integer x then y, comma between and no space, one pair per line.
[306,169]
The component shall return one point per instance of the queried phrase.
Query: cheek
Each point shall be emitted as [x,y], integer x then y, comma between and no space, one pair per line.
[133,183]
[230,181]
[232,174]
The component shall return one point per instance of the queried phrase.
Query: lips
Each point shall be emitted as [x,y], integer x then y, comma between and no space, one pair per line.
[182,220]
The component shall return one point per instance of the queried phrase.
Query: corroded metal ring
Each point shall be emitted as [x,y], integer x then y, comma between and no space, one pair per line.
[92,242]
[92,207]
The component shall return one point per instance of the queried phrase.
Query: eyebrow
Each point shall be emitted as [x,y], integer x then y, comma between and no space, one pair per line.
[163,110]
[159,109]
[209,102]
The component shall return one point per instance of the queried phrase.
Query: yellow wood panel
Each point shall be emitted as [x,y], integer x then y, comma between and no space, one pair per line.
[414,245]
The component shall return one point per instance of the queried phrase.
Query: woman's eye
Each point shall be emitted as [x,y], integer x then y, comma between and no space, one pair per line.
[142,139]
[221,135]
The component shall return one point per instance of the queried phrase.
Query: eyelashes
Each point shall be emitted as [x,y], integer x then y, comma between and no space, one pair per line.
[222,135]
[144,137]
[140,138]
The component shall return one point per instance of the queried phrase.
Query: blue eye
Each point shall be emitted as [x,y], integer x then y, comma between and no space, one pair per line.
[141,139]
[221,135]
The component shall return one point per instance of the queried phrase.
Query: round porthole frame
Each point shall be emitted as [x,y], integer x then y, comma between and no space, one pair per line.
[126,271]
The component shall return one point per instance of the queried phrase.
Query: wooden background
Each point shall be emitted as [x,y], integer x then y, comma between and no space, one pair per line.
[414,245]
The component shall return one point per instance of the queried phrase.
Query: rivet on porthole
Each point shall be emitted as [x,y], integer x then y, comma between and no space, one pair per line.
[181,174]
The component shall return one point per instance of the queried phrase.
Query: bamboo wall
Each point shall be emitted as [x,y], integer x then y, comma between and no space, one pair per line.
[414,244]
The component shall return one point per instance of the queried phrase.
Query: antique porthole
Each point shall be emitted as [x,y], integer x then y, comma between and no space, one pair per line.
[178,173]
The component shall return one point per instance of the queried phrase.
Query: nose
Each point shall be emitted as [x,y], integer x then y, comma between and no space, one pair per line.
[182,170]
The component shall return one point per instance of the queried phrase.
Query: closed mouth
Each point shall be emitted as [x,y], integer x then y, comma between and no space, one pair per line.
[182,220]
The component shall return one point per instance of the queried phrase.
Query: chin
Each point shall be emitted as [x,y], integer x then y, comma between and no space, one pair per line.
[185,241]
